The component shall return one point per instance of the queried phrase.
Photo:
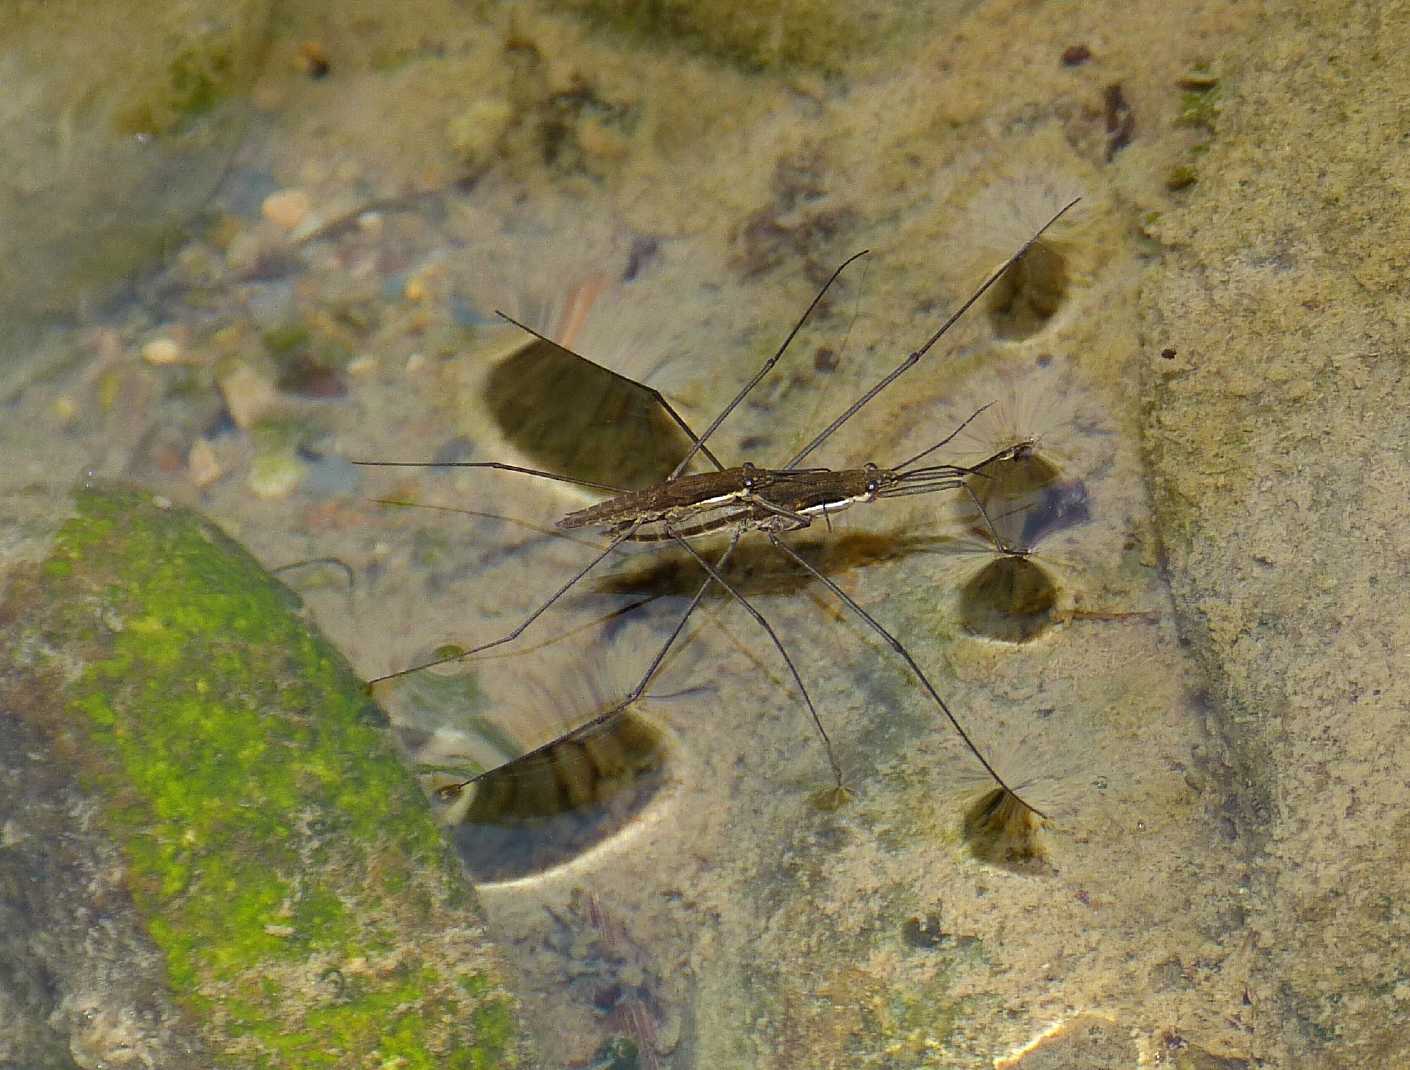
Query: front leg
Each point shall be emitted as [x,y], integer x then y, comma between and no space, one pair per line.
[779,520]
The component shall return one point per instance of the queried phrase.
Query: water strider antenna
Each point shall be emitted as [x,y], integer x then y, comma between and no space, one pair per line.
[914,357]
[768,364]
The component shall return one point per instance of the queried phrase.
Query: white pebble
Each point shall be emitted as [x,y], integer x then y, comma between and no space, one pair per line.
[286,208]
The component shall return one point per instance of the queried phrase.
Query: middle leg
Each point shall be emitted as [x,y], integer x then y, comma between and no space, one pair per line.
[905,654]
[788,660]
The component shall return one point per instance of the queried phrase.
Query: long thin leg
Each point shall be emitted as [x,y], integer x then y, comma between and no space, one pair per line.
[636,692]
[944,441]
[799,520]
[697,441]
[768,365]
[793,669]
[912,358]
[999,543]
[480,514]
[337,562]
[492,464]
[535,615]
[895,645]
[1004,454]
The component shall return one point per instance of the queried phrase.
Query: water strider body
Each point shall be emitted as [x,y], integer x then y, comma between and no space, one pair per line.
[770,500]
[733,501]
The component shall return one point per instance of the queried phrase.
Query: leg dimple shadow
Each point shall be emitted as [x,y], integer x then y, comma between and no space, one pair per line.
[1029,294]
[1000,830]
[549,807]
[1011,600]
[1027,500]
[579,420]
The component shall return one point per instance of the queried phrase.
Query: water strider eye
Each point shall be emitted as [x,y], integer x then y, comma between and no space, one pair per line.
[873,483]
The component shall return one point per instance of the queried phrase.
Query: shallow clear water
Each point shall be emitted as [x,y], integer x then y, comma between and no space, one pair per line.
[690,893]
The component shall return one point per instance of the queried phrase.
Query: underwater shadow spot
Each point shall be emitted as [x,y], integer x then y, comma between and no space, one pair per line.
[1011,600]
[554,804]
[576,419]
[1001,831]
[1029,294]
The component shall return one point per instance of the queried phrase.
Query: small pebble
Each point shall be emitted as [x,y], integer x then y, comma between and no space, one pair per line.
[313,60]
[601,141]
[168,459]
[227,339]
[286,208]
[363,365]
[275,475]
[1198,80]
[248,395]
[425,282]
[163,350]
[202,465]
[244,251]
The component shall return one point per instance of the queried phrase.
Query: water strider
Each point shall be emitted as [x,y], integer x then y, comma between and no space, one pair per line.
[734,501]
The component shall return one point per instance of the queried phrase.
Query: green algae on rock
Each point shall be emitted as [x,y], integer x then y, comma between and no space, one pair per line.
[798,33]
[284,861]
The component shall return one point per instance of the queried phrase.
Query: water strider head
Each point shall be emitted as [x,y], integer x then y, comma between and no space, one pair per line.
[899,483]
[787,494]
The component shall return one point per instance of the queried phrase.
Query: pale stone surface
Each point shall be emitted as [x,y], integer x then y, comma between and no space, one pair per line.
[1277,440]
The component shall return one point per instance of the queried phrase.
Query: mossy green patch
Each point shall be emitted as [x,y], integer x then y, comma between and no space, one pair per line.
[921,1022]
[272,836]
[212,67]
[1199,107]
[820,34]
[1180,177]
[289,338]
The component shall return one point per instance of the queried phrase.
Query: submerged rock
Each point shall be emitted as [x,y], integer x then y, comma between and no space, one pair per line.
[276,889]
